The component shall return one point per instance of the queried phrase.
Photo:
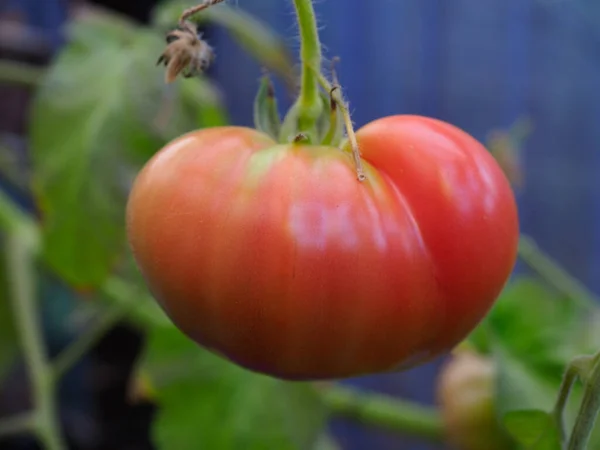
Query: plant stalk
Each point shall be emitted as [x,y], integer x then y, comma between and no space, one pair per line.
[309,104]
[576,368]
[22,288]
[588,412]
[384,412]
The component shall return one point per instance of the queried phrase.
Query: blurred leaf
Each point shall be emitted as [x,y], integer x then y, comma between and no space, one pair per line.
[130,288]
[480,338]
[102,111]
[538,326]
[78,153]
[255,37]
[522,397]
[534,429]
[266,115]
[201,101]
[533,334]
[207,402]
[101,23]
[520,386]
[8,336]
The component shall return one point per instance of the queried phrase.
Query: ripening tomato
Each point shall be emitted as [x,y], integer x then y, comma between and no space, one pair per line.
[466,395]
[276,257]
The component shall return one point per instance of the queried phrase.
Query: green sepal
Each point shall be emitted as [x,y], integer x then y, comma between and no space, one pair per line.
[289,128]
[266,115]
[332,122]
[329,128]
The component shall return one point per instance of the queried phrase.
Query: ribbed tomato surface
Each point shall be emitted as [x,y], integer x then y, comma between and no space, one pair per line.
[277,258]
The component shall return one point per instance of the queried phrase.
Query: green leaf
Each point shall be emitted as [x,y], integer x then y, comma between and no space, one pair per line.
[207,402]
[256,38]
[538,326]
[203,102]
[266,115]
[534,429]
[533,334]
[102,111]
[8,336]
[128,288]
[78,151]
[289,127]
[519,386]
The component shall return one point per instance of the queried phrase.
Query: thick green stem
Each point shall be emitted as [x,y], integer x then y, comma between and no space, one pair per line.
[309,104]
[22,275]
[588,412]
[578,367]
[384,412]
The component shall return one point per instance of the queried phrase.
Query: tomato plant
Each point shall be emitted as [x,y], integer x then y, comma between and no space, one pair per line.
[299,248]
[275,256]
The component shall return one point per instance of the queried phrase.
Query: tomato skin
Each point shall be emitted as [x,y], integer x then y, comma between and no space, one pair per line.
[465,209]
[277,258]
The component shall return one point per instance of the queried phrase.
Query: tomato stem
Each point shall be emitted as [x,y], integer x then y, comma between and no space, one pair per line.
[23,245]
[309,106]
[590,407]
[384,412]
[21,266]
[576,369]
[196,9]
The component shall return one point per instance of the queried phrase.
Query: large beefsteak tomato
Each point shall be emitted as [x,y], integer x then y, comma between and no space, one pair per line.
[276,257]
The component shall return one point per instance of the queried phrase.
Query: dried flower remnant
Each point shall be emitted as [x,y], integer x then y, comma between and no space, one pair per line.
[187,53]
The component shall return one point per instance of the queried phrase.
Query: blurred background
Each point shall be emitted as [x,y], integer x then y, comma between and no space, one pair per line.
[483,65]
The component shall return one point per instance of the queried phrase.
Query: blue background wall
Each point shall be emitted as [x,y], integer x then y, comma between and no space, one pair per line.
[479,64]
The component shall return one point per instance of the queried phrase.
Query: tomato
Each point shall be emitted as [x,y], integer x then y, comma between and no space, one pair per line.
[466,397]
[277,258]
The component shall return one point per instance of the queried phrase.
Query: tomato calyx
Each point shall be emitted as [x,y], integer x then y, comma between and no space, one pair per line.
[266,114]
[320,115]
